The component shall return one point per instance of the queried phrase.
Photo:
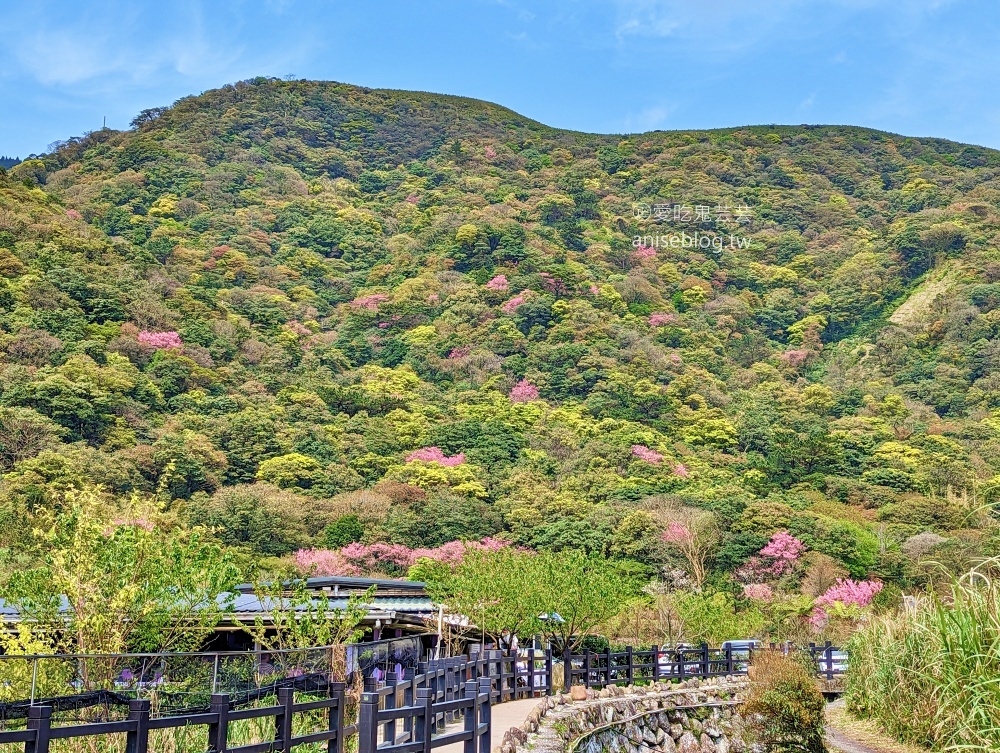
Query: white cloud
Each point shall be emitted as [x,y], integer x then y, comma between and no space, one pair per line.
[648,119]
[119,46]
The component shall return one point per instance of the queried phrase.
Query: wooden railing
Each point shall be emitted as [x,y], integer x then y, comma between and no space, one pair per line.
[39,731]
[658,664]
[418,711]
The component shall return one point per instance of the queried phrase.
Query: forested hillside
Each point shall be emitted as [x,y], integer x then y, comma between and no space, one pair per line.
[308,314]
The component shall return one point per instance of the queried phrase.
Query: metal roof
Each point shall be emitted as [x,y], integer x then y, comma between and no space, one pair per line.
[335,581]
[249,604]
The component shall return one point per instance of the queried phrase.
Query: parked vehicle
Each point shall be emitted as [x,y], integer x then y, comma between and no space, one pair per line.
[741,651]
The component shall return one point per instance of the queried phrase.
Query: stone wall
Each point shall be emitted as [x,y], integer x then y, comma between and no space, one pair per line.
[696,716]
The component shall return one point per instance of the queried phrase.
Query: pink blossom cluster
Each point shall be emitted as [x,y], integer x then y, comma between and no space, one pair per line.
[594,290]
[658,320]
[775,559]
[73,214]
[512,305]
[783,546]
[436,455]
[411,199]
[523,392]
[552,284]
[369,302]
[498,283]
[159,340]
[355,559]
[462,351]
[758,591]
[642,253]
[681,470]
[850,593]
[644,453]
[677,533]
[847,592]
[794,358]
[490,153]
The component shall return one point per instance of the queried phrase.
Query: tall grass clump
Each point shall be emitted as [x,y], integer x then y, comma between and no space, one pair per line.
[932,676]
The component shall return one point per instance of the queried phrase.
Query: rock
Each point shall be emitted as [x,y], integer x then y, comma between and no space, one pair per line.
[578,693]
[707,746]
[711,728]
[676,730]
[688,744]
[668,746]
[695,726]
[649,736]
[633,733]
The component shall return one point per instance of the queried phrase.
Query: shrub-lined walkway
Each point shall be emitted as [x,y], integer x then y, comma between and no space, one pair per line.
[850,735]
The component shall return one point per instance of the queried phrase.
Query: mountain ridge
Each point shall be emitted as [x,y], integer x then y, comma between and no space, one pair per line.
[290,310]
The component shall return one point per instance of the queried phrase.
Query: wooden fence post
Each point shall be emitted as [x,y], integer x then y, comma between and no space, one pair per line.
[531,673]
[486,716]
[389,730]
[729,658]
[470,692]
[567,669]
[424,726]
[629,668]
[609,679]
[680,665]
[336,718]
[218,731]
[283,721]
[549,678]
[706,666]
[137,740]
[828,652]
[40,722]
[586,667]
[441,684]
[656,663]
[368,723]
[408,695]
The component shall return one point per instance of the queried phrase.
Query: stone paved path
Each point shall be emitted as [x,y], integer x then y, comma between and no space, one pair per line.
[505,716]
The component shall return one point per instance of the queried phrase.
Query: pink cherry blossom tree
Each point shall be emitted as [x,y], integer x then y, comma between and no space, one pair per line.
[659,319]
[514,303]
[357,558]
[644,453]
[844,594]
[775,559]
[436,455]
[159,340]
[523,392]
[499,284]
[694,534]
[369,302]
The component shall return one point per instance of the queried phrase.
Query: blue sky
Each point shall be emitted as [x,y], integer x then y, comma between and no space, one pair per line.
[918,67]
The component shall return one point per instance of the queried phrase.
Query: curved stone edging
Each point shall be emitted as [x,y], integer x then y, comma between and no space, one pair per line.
[655,726]
[695,716]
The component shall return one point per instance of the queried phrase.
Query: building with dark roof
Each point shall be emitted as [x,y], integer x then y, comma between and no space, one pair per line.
[398,608]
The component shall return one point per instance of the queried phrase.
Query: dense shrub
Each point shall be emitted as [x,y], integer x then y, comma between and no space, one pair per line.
[784,709]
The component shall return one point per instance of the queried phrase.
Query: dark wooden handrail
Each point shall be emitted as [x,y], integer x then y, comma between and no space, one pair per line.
[410,713]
